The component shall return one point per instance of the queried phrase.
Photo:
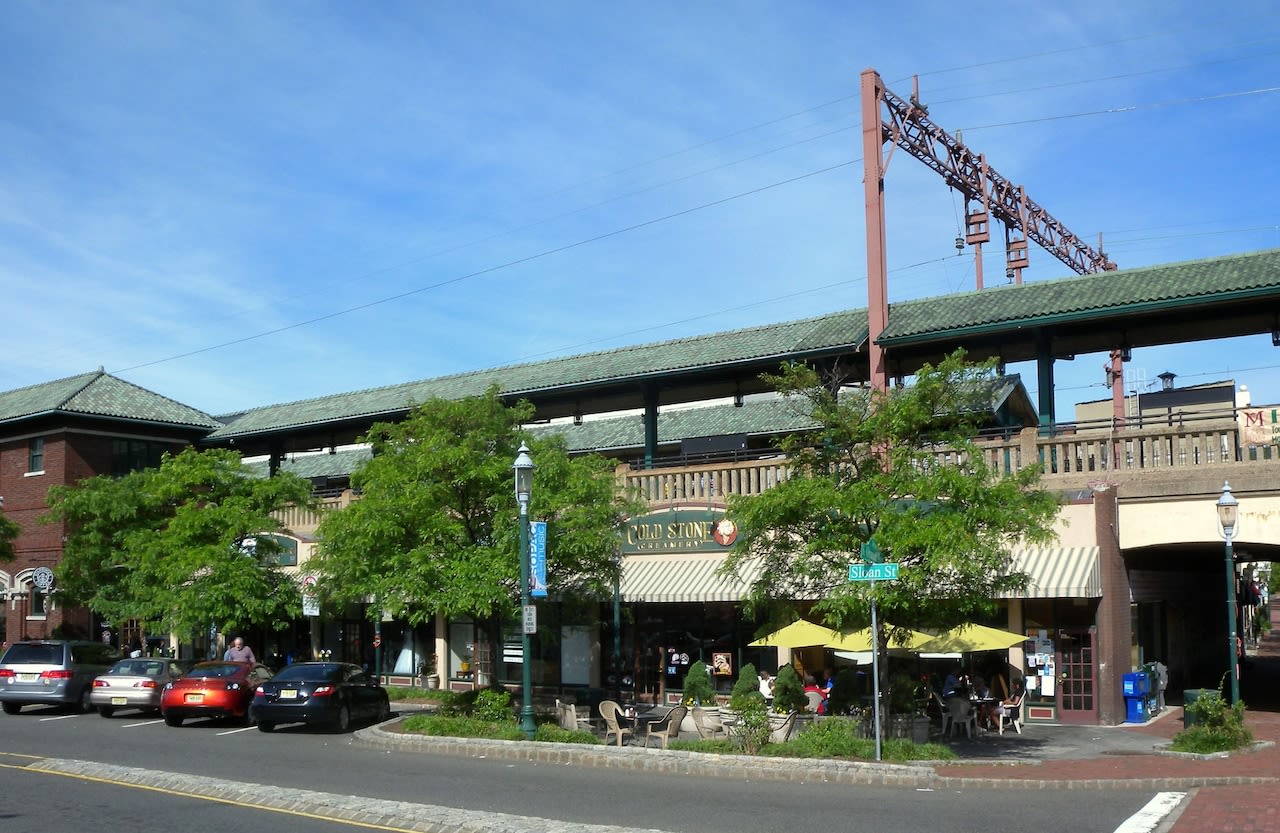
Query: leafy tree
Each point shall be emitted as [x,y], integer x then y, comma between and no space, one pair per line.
[899,467]
[171,546]
[436,529]
[8,532]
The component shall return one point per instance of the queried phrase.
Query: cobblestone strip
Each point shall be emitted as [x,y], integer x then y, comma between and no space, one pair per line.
[401,814]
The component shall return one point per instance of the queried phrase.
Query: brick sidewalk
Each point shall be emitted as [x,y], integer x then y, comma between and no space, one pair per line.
[1238,794]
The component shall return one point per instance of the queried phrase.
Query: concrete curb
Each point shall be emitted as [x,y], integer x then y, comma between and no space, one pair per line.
[401,815]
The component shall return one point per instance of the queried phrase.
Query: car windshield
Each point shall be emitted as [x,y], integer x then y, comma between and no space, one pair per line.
[137,668]
[307,673]
[26,654]
[215,669]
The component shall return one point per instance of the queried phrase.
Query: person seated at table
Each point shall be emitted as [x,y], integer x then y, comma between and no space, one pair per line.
[811,684]
[980,689]
[955,683]
[828,681]
[766,686]
[1010,704]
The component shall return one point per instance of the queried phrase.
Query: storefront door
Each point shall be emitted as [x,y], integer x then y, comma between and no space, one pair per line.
[1076,675]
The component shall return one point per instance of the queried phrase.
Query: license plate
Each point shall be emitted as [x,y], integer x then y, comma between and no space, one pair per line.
[119,701]
[28,678]
[288,694]
[195,698]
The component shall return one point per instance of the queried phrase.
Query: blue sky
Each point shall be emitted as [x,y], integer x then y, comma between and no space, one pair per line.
[238,204]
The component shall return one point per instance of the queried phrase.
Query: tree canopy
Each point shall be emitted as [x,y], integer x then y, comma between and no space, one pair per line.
[8,532]
[436,529]
[171,546]
[899,467]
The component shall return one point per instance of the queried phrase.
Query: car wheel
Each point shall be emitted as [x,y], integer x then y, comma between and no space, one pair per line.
[172,720]
[342,721]
[84,703]
[384,710]
[12,708]
[265,727]
[106,711]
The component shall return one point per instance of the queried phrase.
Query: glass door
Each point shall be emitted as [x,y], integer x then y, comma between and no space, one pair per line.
[1076,675]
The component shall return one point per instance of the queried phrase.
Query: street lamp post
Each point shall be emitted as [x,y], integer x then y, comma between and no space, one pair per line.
[523,467]
[1228,509]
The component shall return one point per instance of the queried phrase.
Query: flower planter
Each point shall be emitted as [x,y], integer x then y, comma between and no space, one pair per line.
[781,728]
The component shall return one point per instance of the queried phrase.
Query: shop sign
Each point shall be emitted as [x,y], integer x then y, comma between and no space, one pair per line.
[679,530]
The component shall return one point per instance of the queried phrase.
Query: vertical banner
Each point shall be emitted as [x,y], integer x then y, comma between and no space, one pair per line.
[538,559]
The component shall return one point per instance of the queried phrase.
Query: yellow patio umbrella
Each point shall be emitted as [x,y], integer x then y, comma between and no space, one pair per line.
[971,637]
[799,634]
[859,641]
[805,634]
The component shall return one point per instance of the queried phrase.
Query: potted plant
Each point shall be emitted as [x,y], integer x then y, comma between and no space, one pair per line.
[747,718]
[427,670]
[699,692]
[788,698]
[906,717]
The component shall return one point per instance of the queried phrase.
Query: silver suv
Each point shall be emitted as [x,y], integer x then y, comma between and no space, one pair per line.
[51,672]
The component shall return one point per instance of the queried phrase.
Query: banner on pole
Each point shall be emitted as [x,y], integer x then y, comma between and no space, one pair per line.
[538,559]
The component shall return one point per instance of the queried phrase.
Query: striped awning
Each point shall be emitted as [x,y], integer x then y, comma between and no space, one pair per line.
[688,577]
[1058,573]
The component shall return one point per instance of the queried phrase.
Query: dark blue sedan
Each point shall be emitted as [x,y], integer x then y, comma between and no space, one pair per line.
[330,694]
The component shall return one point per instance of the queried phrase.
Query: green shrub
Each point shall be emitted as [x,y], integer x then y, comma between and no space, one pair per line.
[844,697]
[439,725]
[494,704]
[752,731]
[465,703]
[843,738]
[1217,727]
[746,687]
[698,688]
[788,692]
[554,733]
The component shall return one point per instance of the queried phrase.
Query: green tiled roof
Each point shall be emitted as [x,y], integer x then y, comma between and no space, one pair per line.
[338,464]
[763,417]
[793,339]
[1189,283]
[99,394]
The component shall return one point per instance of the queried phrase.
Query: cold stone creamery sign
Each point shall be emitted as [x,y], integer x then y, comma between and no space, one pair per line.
[679,530]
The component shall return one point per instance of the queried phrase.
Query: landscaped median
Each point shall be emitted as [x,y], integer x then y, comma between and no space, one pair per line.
[484,720]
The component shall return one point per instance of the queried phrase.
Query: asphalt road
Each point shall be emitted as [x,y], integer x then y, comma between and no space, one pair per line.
[292,757]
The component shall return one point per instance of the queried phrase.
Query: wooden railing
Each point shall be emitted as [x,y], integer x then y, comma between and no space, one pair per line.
[1072,453]
[300,519]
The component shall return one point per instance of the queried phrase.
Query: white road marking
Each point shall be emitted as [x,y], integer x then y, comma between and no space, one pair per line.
[59,717]
[1146,819]
[237,731]
[143,723]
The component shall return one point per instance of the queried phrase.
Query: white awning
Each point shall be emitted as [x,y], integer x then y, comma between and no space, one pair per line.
[1058,573]
[689,577]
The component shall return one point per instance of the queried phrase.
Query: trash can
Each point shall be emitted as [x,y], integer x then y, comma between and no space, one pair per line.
[1189,696]
[1135,709]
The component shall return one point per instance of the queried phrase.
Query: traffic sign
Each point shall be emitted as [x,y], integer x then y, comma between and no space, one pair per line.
[884,571]
[870,552]
[530,619]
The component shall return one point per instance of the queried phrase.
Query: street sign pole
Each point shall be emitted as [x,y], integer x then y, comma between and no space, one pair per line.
[875,667]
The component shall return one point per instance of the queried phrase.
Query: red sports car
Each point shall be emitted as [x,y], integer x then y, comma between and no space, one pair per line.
[218,688]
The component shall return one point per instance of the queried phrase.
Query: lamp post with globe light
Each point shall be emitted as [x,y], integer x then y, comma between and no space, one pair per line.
[1228,512]
[523,467]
